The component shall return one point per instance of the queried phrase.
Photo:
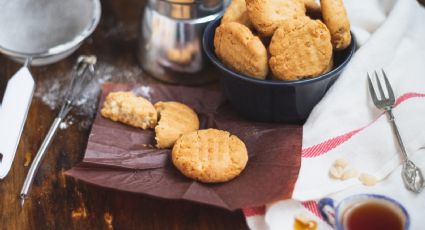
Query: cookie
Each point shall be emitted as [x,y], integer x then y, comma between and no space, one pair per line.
[300,48]
[267,15]
[210,155]
[236,12]
[129,109]
[336,19]
[313,9]
[240,50]
[175,119]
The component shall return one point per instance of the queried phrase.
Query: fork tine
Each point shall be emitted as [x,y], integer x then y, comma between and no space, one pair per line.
[389,88]
[381,91]
[371,90]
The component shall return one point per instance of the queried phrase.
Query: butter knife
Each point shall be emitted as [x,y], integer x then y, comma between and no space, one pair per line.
[13,113]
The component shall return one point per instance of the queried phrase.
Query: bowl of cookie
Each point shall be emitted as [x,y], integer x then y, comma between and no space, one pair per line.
[279,57]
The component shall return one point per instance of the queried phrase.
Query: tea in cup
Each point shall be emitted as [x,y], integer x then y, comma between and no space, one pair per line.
[365,212]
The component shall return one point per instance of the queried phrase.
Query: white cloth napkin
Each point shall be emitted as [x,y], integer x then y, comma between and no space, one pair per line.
[346,124]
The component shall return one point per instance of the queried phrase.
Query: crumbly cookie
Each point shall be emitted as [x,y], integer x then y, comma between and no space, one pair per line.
[129,109]
[300,48]
[336,19]
[175,119]
[267,15]
[236,12]
[210,155]
[240,50]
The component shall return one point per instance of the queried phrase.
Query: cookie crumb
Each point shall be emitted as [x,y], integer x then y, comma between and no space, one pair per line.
[341,162]
[367,179]
[336,172]
[350,173]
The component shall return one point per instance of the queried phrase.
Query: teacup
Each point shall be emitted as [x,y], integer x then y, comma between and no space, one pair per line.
[364,212]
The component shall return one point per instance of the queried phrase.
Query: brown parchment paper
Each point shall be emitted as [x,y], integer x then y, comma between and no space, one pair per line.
[124,158]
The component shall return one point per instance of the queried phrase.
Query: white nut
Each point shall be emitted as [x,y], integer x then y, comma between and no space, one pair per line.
[368,179]
[336,172]
[341,163]
[350,173]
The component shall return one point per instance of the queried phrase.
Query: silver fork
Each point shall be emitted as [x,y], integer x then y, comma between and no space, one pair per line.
[412,175]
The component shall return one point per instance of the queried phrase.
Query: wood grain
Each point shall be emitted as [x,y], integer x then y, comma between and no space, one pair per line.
[59,202]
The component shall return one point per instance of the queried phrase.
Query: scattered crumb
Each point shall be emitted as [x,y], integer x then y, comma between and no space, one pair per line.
[27,159]
[79,213]
[336,172]
[340,170]
[367,179]
[341,163]
[350,173]
[108,219]
[62,178]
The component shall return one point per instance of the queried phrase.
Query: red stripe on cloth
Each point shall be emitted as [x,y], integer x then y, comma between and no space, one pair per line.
[255,211]
[323,148]
[407,96]
[313,207]
[326,146]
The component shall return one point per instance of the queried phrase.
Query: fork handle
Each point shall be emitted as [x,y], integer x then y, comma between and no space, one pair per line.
[397,133]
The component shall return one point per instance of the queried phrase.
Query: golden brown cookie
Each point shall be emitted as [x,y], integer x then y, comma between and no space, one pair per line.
[210,155]
[239,49]
[175,119]
[267,15]
[336,19]
[129,109]
[236,12]
[300,48]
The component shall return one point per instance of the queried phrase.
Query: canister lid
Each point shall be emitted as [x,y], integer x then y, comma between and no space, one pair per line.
[188,9]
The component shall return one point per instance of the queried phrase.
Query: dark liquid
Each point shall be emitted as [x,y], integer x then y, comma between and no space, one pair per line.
[373,216]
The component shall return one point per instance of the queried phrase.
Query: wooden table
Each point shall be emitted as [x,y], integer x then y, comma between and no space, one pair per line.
[59,202]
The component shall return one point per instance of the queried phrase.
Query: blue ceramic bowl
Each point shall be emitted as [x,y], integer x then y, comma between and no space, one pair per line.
[273,100]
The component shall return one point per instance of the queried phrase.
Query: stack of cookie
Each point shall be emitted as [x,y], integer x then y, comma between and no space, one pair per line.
[208,155]
[292,39]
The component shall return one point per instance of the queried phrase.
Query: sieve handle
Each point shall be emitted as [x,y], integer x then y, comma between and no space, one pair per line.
[28,62]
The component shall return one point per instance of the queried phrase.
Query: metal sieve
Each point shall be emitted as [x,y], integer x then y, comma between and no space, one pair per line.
[36,32]
[45,31]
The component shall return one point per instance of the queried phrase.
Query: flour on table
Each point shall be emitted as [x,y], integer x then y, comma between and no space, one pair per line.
[144,91]
[52,92]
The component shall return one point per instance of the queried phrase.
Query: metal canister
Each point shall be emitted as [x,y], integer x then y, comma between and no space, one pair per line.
[170,40]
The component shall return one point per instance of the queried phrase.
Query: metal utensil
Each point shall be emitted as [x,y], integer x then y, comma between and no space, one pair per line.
[77,85]
[170,40]
[412,175]
[36,32]
[14,109]
[45,31]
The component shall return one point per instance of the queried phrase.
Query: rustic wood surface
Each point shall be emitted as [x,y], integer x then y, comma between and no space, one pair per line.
[59,202]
